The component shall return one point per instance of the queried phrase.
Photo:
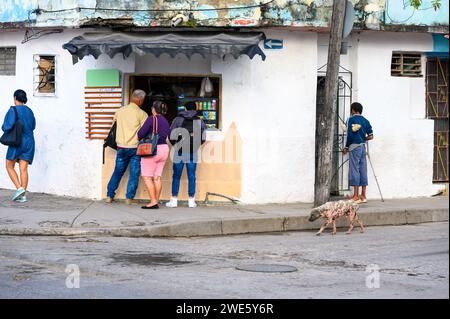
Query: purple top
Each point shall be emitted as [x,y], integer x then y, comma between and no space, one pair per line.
[163,129]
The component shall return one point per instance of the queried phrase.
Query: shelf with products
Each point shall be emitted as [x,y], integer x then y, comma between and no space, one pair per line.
[207,109]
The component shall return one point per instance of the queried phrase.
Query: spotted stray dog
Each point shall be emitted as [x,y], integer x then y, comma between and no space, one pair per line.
[331,211]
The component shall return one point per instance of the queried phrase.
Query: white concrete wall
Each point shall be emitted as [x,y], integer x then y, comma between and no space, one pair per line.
[402,151]
[65,162]
[273,103]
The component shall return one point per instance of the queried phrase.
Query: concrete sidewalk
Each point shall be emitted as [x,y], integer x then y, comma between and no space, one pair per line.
[53,215]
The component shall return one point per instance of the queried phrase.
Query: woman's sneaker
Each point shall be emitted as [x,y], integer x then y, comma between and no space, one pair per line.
[19,192]
[192,203]
[172,203]
[22,199]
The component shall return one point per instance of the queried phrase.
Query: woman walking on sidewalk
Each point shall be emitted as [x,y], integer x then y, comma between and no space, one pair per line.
[24,153]
[152,167]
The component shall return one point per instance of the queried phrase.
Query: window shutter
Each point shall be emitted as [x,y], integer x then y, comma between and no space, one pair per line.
[101,103]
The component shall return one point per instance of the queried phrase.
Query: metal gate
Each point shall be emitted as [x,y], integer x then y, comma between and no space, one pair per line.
[339,182]
[437,109]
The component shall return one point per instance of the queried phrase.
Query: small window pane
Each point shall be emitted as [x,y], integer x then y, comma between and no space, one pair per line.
[7,61]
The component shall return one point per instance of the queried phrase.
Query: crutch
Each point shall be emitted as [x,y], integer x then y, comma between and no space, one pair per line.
[373,171]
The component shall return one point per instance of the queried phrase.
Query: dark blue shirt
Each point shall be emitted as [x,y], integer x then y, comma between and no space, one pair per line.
[358,128]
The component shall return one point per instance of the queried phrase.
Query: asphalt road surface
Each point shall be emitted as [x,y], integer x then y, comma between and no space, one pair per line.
[385,262]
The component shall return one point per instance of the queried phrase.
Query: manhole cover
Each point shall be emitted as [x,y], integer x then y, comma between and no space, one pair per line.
[132,223]
[267,268]
[90,224]
[54,224]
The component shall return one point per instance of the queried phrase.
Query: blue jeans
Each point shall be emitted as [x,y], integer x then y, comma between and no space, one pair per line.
[178,171]
[358,167]
[124,157]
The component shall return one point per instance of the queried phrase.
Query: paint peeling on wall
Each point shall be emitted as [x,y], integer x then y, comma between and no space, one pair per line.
[370,14]
[15,10]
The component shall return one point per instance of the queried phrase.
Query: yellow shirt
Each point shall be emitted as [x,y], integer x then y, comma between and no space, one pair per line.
[129,119]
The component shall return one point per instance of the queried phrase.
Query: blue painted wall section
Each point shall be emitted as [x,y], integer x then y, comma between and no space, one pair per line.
[370,14]
[440,43]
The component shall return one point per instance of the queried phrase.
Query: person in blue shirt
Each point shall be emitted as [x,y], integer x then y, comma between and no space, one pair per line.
[359,131]
[24,153]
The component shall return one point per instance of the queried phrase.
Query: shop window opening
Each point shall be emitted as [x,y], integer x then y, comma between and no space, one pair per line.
[175,91]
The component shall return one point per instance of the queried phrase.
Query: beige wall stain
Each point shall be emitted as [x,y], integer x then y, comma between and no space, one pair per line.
[219,171]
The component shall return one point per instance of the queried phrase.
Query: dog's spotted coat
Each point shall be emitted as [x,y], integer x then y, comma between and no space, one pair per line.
[331,211]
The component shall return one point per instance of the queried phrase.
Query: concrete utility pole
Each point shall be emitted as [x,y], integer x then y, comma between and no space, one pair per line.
[326,116]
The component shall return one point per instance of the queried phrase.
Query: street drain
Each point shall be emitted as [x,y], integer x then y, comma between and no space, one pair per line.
[162,259]
[4,221]
[83,240]
[267,268]
[90,224]
[132,223]
[55,224]
[157,222]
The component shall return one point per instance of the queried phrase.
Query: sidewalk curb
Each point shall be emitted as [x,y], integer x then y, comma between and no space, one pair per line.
[234,226]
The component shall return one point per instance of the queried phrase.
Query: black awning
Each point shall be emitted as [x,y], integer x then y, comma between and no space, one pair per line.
[157,43]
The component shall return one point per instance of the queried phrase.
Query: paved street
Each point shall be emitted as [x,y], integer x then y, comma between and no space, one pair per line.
[413,262]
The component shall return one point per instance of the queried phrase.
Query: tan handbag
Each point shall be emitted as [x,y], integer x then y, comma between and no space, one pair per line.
[149,144]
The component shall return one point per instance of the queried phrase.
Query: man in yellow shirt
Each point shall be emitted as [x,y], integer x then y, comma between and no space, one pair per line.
[129,120]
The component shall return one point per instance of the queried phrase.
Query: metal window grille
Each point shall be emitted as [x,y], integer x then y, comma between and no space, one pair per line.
[406,64]
[7,61]
[44,75]
[437,88]
[344,98]
[440,156]
[437,109]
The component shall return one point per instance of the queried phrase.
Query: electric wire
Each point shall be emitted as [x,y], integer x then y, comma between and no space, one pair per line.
[394,21]
[39,10]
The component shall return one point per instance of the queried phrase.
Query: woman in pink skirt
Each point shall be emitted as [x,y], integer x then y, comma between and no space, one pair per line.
[152,167]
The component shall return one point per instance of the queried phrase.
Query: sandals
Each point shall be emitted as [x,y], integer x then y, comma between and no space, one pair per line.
[150,207]
[358,201]
[361,201]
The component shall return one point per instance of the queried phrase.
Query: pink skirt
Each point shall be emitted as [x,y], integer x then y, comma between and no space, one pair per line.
[154,166]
